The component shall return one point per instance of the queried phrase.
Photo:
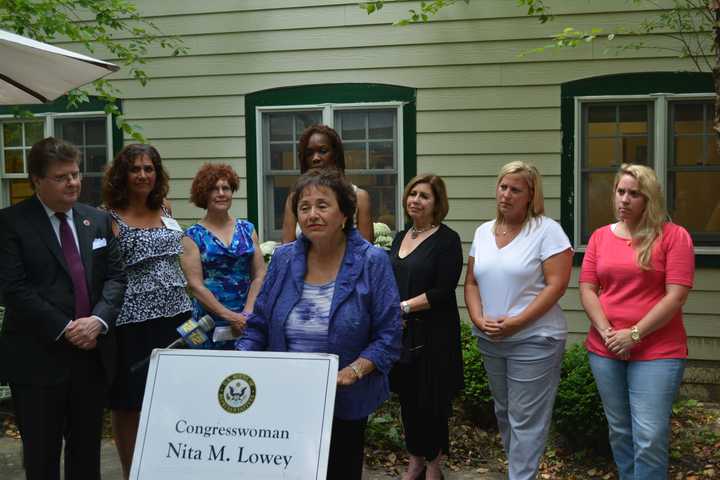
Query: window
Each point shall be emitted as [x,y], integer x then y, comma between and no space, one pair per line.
[613,133]
[17,139]
[374,138]
[619,119]
[89,131]
[616,131]
[693,170]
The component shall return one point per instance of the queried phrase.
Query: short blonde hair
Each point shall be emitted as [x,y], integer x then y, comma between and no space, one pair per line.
[531,175]
[653,217]
[437,185]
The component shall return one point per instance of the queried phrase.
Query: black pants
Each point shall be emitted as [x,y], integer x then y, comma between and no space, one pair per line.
[347,449]
[70,411]
[426,434]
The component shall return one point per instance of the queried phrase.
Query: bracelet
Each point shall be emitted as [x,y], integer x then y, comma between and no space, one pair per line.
[356,369]
[245,314]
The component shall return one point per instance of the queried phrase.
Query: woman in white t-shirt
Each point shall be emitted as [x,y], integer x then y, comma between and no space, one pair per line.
[518,268]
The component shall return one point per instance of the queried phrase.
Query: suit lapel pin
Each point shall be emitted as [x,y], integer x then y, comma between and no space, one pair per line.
[86,222]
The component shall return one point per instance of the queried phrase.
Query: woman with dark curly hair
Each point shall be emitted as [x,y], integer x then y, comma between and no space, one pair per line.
[320,146]
[221,259]
[155,303]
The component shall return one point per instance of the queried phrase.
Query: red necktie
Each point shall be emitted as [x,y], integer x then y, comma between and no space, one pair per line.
[77,271]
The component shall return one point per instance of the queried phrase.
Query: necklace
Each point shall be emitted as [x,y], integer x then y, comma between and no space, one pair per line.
[414,232]
[502,230]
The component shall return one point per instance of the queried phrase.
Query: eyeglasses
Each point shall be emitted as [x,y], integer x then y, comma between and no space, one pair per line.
[67,178]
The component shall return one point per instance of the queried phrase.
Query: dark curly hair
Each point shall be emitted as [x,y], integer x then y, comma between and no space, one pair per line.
[335,143]
[333,179]
[115,180]
[206,178]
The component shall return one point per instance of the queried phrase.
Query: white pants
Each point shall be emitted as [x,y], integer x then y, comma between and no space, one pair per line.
[523,377]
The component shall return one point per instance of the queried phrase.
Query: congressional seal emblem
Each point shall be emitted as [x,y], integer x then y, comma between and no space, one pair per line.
[236,393]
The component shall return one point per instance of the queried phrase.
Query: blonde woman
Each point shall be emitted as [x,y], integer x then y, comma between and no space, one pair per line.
[635,278]
[518,268]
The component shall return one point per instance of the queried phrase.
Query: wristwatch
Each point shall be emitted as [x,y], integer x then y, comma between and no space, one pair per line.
[356,370]
[405,307]
[635,334]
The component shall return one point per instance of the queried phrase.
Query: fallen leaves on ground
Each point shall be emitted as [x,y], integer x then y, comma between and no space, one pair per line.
[695,441]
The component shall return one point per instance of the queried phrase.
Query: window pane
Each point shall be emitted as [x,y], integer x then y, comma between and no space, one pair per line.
[601,120]
[95,132]
[14,161]
[688,118]
[279,190]
[380,124]
[304,120]
[383,192]
[597,202]
[616,133]
[12,134]
[19,190]
[34,132]
[355,155]
[381,155]
[95,159]
[694,141]
[633,119]
[352,125]
[280,126]
[70,130]
[601,152]
[281,156]
[696,201]
[90,192]
[635,150]
[689,150]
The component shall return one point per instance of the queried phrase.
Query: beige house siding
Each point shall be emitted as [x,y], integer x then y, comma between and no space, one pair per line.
[479,104]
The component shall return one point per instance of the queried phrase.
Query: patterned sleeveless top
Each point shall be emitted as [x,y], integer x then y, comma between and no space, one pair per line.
[226,270]
[155,282]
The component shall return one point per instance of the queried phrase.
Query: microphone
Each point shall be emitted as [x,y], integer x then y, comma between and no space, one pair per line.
[192,333]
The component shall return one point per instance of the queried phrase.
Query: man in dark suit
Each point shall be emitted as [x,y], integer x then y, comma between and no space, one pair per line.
[62,281]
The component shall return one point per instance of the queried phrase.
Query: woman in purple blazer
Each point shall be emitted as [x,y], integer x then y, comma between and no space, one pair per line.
[331,291]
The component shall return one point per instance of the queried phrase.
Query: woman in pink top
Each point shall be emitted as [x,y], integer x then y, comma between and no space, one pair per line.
[635,278]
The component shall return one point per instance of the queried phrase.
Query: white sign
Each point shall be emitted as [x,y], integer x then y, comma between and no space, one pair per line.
[233,415]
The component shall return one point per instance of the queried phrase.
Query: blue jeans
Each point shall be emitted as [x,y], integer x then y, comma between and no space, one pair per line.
[637,398]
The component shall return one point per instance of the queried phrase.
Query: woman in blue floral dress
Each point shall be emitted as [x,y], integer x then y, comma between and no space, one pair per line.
[222,259]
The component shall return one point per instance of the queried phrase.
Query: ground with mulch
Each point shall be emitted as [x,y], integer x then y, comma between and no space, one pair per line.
[694,447]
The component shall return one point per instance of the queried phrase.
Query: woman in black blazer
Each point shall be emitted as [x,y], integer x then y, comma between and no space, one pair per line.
[427,260]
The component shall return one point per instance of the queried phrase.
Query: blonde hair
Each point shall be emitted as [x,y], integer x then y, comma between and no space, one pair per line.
[531,175]
[653,217]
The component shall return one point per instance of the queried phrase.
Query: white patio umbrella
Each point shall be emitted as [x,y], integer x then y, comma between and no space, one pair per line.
[35,72]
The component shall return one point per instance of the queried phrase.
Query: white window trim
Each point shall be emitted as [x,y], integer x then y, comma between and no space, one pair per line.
[327,119]
[49,130]
[660,105]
